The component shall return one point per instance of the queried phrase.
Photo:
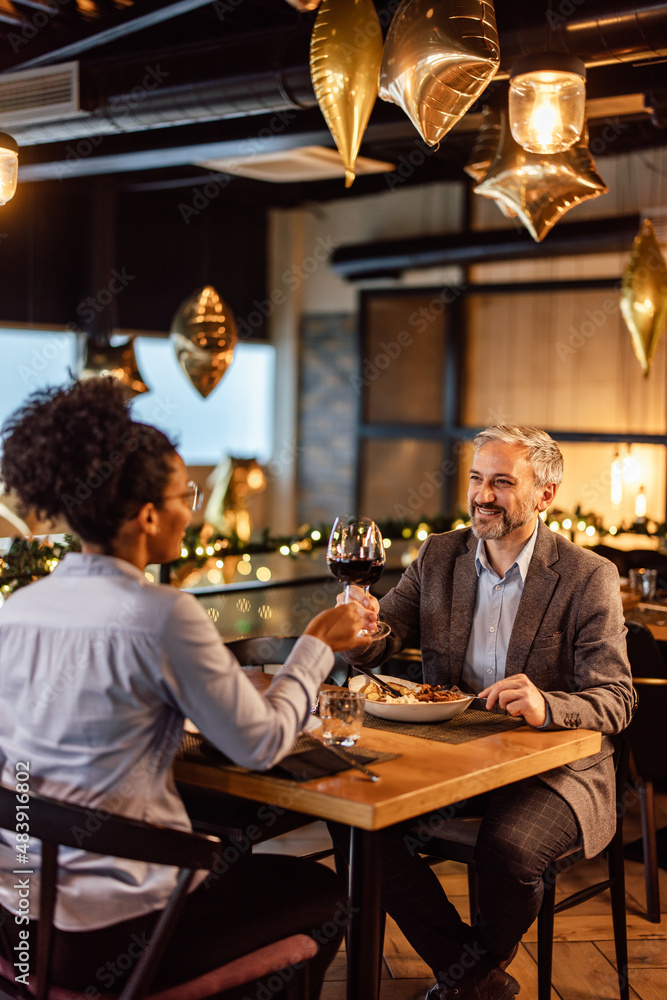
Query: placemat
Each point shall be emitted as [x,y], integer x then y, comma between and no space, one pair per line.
[647,616]
[307,759]
[469,725]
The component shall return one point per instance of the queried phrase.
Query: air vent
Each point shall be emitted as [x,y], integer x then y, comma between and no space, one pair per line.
[39,95]
[307,163]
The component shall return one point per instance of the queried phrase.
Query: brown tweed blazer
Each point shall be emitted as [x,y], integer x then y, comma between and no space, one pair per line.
[568,637]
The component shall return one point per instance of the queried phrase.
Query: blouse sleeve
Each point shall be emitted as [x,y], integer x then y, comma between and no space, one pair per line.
[210,688]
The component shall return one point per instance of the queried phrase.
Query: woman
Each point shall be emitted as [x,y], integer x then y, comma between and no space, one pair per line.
[99,670]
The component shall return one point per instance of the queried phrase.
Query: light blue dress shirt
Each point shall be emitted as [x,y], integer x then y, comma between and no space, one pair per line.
[495,611]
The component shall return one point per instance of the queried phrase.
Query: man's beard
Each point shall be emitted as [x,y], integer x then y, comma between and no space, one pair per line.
[503,527]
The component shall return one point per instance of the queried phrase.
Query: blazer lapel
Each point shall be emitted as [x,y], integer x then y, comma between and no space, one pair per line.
[464,596]
[540,584]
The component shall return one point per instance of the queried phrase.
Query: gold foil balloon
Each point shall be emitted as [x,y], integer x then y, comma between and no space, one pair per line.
[438,58]
[644,295]
[204,334]
[345,57]
[484,150]
[119,362]
[304,4]
[540,188]
[485,147]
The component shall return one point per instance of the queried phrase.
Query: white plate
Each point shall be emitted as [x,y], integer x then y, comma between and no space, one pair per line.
[422,712]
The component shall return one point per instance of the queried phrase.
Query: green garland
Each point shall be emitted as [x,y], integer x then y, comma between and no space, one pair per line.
[28,560]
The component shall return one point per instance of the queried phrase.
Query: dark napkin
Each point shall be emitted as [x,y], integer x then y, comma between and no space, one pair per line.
[317,763]
[309,758]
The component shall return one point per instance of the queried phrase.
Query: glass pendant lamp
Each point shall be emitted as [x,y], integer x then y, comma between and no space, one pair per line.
[547,101]
[9,167]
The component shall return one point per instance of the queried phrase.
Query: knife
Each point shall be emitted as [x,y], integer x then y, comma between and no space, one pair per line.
[353,762]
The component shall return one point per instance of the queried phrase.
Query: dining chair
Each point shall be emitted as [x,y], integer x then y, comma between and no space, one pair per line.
[56,823]
[457,843]
[266,651]
[648,763]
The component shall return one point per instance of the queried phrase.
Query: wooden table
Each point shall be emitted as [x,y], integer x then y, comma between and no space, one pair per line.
[426,776]
[657,628]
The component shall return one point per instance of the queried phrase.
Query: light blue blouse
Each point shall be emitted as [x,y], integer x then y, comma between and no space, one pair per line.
[98,669]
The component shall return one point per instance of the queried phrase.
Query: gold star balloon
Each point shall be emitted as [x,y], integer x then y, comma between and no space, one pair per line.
[485,146]
[120,362]
[345,57]
[438,57]
[204,335]
[484,151]
[540,188]
[644,295]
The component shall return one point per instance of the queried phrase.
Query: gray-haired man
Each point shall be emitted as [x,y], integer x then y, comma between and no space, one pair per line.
[533,623]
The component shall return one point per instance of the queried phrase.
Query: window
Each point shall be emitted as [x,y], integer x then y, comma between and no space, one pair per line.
[31,360]
[236,419]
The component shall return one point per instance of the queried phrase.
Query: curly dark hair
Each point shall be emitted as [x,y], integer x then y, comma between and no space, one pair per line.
[76,453]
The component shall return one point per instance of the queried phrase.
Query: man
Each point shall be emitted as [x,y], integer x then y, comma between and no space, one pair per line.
[534,624]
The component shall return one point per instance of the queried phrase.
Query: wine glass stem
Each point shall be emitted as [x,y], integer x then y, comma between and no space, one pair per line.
[346,599]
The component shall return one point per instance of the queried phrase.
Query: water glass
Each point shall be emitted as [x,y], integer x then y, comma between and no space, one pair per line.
[643,582]
[342,715]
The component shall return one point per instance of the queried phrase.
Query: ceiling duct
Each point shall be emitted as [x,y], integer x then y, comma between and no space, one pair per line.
[268,73]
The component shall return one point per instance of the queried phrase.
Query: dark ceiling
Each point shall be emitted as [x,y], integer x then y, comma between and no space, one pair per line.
[167,85]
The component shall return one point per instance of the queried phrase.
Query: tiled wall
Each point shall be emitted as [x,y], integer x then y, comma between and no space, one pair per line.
[327,417]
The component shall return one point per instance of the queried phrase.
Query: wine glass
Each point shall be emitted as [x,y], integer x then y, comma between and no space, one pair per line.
[356,555]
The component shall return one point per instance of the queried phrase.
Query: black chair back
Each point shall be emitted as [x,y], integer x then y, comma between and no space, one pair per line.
[58,824]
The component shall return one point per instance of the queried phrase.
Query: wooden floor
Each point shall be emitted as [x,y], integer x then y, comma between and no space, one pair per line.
[583,965]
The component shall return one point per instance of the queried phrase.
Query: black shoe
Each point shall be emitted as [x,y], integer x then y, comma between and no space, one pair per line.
[491,984]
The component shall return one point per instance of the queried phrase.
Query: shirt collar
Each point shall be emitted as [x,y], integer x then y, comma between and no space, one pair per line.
[522,561]
[87,564]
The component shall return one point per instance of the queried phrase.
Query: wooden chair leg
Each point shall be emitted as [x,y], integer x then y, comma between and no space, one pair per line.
[545,941]
[616,863]
[472,892]
[651,880]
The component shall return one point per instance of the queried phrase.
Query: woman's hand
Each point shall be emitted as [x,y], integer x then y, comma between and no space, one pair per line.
[369,606]
[518,696]
[339,627]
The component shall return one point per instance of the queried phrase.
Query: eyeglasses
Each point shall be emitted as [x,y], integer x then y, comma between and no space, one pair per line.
[194,496]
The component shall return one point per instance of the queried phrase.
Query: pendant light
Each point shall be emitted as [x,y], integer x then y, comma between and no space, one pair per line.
[547,101]
[9,167]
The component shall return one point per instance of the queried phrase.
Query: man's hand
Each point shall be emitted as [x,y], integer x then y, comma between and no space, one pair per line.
[339,627]
[367,604]
[518,696]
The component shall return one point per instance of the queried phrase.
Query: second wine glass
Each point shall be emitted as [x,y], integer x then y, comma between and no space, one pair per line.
[356,555]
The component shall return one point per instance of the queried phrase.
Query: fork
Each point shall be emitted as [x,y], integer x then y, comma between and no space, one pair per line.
[388,688]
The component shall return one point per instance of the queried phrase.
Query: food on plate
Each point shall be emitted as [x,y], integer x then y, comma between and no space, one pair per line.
[427,693]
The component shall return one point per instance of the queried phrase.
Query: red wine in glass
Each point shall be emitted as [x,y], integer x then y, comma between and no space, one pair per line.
[356,556]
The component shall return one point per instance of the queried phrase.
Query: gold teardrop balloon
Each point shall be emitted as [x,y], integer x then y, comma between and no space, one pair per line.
[644,295]
[204,335]
[120,362]
[540,188]
[439,56]
[345,57]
